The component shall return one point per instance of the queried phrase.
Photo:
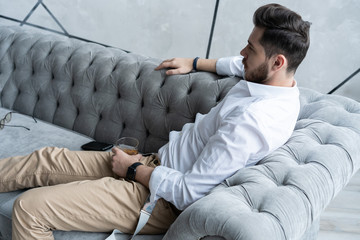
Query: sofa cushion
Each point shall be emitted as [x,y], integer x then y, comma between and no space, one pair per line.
[41,134]
[19,141]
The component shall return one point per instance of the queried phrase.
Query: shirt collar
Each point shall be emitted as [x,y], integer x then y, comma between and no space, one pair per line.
[257,89]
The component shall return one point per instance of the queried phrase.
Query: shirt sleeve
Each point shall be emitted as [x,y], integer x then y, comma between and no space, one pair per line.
[230,66]
[236,140]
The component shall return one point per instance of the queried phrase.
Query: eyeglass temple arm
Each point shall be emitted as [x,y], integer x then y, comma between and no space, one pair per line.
[5,125]
[34,119]
[17,112]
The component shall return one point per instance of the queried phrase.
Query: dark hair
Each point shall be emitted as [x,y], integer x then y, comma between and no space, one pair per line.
[285,33]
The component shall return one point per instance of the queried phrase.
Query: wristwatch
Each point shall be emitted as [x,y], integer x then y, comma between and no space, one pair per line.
[131,172]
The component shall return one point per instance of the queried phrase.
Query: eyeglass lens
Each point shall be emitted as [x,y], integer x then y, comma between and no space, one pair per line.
[6,119]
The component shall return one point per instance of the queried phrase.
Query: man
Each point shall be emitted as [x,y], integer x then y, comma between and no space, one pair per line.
[256,117]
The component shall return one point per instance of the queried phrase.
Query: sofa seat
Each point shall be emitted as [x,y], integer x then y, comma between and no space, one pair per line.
[41,134]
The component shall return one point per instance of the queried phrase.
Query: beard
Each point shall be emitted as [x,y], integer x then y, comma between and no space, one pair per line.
[259,74]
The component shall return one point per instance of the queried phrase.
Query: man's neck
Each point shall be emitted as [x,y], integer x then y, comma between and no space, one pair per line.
[281,79]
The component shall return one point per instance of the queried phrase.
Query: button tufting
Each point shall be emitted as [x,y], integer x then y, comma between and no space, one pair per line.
[189,91]
[137,76]
[218,98]
[162,84]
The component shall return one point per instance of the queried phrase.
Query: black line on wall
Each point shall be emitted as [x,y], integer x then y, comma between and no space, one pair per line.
[58,32]
[55,19]
[30,24]
[31,12]
[212,28]
[48,11]
[345,81]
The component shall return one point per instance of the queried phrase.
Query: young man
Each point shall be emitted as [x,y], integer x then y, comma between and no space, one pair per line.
[256,117]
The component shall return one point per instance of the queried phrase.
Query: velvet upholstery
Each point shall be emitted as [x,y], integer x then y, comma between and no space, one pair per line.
[81,91]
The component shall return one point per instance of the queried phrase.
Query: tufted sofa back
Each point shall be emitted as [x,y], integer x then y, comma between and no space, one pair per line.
[104,93]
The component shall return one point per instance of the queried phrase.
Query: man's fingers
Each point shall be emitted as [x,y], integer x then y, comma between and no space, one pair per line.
[173,72]
[176,66]
[118,151]
[138,156]
[168,63]
[165,64]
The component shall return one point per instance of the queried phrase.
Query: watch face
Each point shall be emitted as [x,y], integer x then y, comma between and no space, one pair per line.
[131,172]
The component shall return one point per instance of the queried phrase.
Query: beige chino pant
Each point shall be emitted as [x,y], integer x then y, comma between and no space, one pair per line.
[76,190]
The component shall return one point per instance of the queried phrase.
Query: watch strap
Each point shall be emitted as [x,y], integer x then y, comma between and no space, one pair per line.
[131,172]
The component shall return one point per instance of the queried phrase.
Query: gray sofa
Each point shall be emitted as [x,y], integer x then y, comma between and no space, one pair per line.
[81,91]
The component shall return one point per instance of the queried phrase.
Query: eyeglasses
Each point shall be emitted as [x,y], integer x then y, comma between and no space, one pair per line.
[7,119]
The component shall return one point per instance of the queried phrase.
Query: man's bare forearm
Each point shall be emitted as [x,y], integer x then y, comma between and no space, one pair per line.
[143,174]
[207,65]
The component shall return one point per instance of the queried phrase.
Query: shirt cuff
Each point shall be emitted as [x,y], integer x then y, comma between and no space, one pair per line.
[230,66]
[157,177]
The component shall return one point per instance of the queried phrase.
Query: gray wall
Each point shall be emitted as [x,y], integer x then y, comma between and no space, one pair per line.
[169,28]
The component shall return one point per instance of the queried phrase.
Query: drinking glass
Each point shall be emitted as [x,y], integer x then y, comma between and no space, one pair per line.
[128,145]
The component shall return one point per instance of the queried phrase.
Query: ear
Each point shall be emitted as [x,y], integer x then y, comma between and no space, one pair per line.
[279,62]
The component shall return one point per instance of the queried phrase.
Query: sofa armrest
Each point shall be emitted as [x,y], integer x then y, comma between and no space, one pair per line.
[285,193]
[224,214]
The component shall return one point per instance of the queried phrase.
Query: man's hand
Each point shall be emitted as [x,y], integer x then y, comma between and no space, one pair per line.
[121,161]
[178,65]
[185,65]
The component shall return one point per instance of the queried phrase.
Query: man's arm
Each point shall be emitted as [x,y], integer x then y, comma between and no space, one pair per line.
[228,66]
[185,65]
[122,161]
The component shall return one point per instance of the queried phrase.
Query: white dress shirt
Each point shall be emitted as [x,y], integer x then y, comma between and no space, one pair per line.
[249,123]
